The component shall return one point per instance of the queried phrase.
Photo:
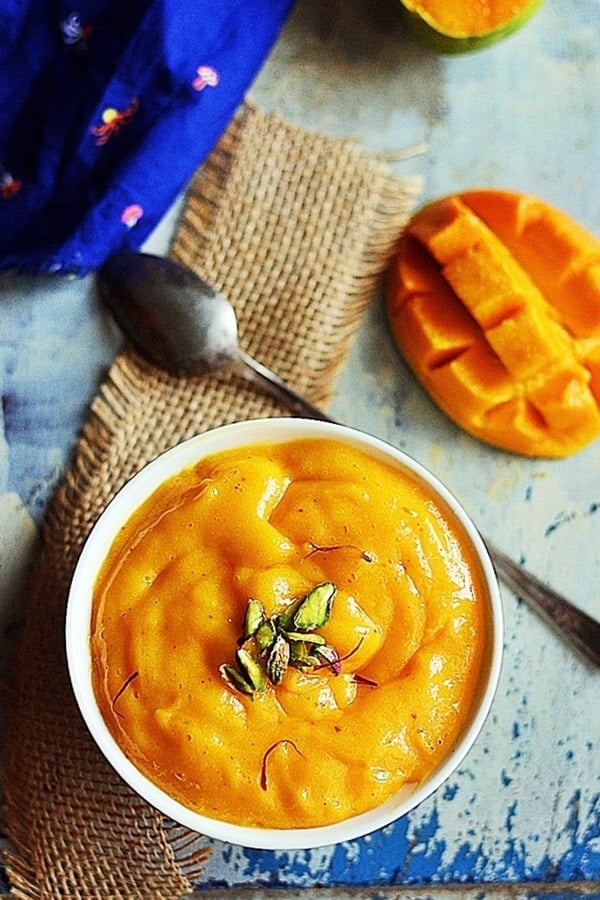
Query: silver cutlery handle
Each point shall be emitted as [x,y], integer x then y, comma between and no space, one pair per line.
[277,388]
[573,623]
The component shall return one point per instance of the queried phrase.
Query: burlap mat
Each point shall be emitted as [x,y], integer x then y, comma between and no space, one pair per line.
[296,229]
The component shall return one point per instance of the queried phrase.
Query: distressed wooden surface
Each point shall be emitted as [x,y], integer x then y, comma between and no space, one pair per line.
[523,811]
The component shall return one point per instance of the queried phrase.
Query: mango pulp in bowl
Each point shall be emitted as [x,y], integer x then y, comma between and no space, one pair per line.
[284,633]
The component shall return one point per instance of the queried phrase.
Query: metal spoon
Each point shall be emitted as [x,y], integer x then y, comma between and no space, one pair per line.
[182,325]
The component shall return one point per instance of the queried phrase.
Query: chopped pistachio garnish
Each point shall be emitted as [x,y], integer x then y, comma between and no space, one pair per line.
[234,678]
[254,618]
[278,659]
[268,646]
[315,608]
[307,638]
[251,669]
[265,635]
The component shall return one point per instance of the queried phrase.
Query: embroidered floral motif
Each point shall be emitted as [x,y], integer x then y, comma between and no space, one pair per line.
[113,121]
[9,186]
[206,76]
[131,215]
[74,32]
[116,75]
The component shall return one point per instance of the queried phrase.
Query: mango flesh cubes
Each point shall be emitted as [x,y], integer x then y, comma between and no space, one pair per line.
[494,300]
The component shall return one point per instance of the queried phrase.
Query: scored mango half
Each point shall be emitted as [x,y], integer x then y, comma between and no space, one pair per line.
[494,301]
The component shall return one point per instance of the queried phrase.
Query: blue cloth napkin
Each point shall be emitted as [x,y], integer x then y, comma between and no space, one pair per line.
[107,108]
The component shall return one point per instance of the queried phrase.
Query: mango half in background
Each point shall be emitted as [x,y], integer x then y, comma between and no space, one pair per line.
[460,26]
[494,300]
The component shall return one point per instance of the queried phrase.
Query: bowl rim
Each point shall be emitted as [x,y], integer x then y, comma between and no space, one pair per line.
[78,620]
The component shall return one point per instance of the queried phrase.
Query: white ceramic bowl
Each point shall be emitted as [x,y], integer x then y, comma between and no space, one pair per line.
[78,622]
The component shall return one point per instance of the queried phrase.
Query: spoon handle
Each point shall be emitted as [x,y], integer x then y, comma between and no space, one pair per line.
[574,624]
[297,404]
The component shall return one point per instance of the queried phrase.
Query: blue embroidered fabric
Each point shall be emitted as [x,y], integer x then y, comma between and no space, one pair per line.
[107,109]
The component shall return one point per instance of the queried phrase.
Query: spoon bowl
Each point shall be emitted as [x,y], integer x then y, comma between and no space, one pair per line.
[181,324]
[172,317]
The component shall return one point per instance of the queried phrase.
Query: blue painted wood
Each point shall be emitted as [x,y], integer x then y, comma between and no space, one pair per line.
[525,806]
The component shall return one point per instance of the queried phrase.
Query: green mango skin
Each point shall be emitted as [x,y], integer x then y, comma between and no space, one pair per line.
[427,34]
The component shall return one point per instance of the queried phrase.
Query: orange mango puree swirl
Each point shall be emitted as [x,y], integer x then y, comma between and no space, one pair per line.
[269,523]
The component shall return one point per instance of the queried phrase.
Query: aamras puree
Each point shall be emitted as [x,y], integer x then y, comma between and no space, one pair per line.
[271,522]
